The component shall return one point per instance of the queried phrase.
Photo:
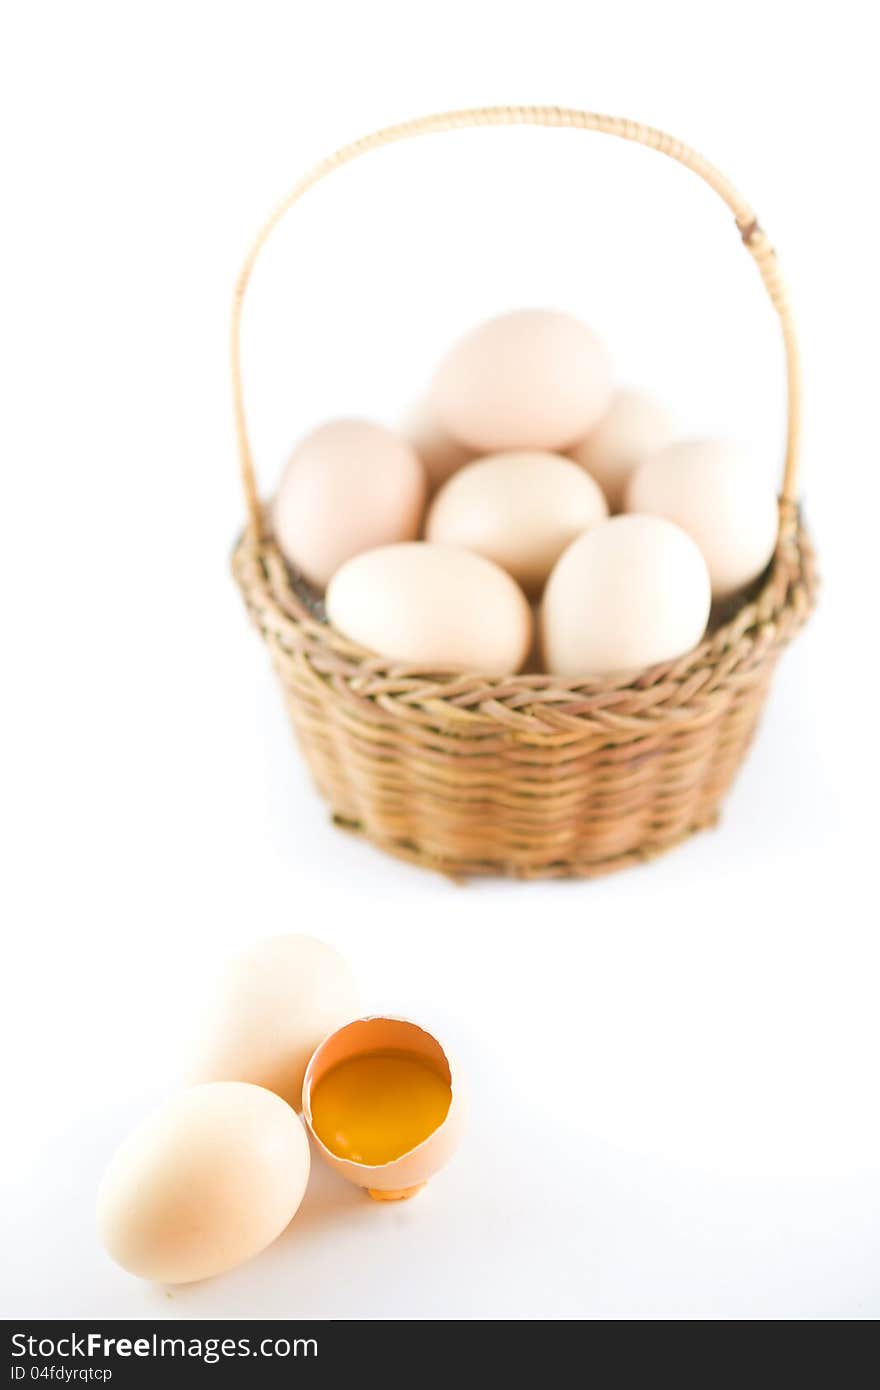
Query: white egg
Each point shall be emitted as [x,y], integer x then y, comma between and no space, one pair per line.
[269,1011]
[711,490]
[441,455]
[533,379]
[632,592]
[203,1185]
[349,486]
[433,607]
[520,510]
[633,425]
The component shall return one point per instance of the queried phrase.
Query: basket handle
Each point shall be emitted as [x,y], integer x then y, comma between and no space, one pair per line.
[751,232]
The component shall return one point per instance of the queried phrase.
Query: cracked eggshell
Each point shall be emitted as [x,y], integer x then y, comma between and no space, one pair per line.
[633,425]
[269,1010]
[519,509]
[711,490]
[532,379]
[204,1184]
[349,486]
[411,1170]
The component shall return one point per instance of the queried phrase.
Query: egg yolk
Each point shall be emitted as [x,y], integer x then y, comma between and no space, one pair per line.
[379,1105]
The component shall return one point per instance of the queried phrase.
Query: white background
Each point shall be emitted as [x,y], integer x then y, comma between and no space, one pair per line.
[674,1070]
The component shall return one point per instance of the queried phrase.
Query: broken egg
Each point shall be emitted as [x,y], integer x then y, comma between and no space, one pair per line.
[383,1103]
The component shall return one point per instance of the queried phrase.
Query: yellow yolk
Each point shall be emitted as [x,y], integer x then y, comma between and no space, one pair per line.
[375,1107]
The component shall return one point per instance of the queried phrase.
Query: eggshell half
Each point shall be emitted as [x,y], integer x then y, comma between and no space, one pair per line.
[633,425]
[432,607]
[520,510]
[533,379]
[349,486]
[711,490]
[203,1185]
[421,1163]
[270,1009]
[632,592]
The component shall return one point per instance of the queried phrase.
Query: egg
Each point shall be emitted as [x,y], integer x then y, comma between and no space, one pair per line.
[711,490]
[432,607]
[349,486]
[520,510]
[383,1103]
[441,455]
[632,592]
[633,425]
[533,379]
[203,1185]
[269,1010]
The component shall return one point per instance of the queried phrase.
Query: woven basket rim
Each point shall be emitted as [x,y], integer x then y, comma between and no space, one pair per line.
[290,611]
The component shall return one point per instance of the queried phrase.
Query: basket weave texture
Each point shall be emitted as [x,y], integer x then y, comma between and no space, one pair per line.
[527,775]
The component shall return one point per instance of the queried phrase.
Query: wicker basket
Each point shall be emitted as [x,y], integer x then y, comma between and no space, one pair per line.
[527,775]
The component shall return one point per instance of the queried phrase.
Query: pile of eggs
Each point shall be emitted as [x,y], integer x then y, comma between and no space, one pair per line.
[218,1173]
[524,493]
